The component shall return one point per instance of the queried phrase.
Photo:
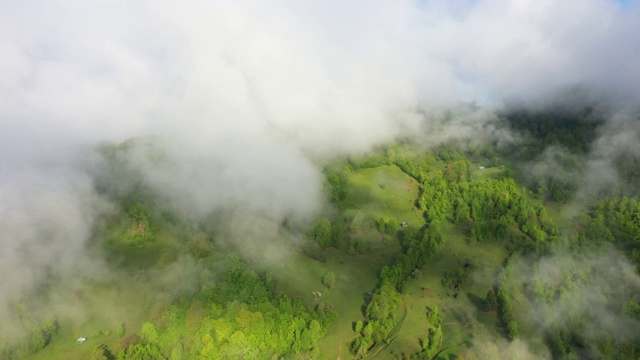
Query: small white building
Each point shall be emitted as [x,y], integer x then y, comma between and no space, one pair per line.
[82,340]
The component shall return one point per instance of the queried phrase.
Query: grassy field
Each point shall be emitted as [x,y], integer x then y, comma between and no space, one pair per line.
[488,173]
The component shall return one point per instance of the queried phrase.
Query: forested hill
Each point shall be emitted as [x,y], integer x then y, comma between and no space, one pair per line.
[456,252]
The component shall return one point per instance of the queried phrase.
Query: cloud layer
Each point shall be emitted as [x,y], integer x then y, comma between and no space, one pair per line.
[324,75]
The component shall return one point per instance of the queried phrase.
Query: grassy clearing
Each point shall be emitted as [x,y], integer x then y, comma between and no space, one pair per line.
[384,192]
[488,173]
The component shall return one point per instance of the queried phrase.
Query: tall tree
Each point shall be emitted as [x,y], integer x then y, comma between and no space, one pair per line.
[490,302]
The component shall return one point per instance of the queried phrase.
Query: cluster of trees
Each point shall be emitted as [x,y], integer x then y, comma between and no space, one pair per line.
[135,228]
[575,129]
[335,233]
[502,303]
[431,345]
[336,185]
[379,320]
[499,297]
[613,219]
[505,312]
[554,188]
[389,226]
[458,279]
[138,229]
[495,208]
[628,167]
[571,134]
[449,152]
[322,232]
[559,340]
[236,314]
[571,341]
[416,167]
[419,245]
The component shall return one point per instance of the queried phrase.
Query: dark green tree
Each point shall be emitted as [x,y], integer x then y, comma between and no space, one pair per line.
[505,311]
[323,232]
[490,302]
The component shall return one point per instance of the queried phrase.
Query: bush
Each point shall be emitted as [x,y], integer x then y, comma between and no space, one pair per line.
[329,280]
[392,227]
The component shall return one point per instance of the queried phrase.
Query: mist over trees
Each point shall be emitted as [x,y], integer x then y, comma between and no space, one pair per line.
[229,305]
[410,180]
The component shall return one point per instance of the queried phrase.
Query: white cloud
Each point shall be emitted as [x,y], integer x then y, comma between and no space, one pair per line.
[326,73]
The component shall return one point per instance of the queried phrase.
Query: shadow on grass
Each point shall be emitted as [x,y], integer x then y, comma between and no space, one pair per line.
[477,301]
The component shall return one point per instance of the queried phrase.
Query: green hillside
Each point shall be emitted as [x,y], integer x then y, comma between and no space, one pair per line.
[398,265]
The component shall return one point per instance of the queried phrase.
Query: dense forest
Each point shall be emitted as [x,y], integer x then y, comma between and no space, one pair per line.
[456,251]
